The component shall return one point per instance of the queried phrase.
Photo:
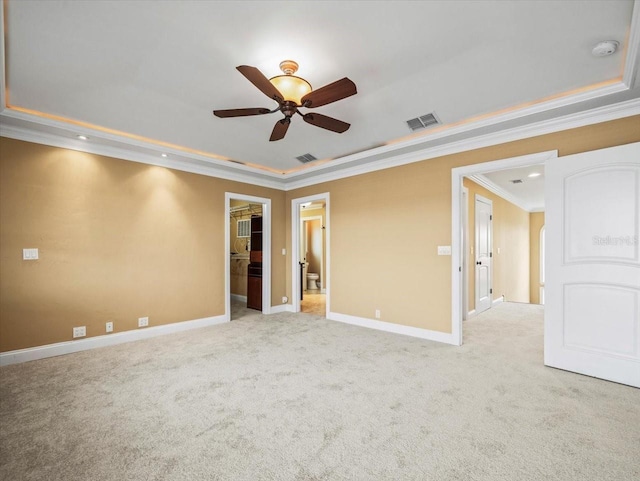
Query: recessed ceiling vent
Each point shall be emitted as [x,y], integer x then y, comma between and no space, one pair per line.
[516,181]
[423,122]
[306,158]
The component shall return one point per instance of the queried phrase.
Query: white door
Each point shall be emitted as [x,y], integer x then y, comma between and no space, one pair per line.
[592,278]
[483,256]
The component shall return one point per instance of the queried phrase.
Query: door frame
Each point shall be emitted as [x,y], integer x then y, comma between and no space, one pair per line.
[457,174]
[295,248]
[266,250]
[464,250]
[476,298]
[302,221]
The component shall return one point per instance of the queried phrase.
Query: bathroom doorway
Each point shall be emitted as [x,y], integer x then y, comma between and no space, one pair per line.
[310,243]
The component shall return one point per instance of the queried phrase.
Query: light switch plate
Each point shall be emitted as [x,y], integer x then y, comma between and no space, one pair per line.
[29,254]
[444,250]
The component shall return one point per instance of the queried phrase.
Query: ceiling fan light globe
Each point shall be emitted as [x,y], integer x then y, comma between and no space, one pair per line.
[291,87]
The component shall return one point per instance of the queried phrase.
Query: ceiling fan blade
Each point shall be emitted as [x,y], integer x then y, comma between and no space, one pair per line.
[325,122]
[240,112]
[337,90]
[257,78]
[280,129]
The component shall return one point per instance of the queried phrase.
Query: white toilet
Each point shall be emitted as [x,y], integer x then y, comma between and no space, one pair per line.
[312,277]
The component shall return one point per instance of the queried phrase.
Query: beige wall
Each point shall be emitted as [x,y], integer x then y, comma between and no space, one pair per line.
[388,259]
[510,247]
[536,221]
[118,240]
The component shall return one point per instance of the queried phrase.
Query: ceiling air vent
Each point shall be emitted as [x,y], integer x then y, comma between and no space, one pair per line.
[306,158]
[516,181]
[423,122]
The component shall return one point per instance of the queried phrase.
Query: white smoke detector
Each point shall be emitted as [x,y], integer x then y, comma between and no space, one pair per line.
[602,49]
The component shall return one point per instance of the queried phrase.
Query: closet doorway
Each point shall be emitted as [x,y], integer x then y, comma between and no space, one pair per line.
[247,254]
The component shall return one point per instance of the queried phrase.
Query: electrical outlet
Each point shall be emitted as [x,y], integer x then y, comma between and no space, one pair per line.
[109,326]
[143,321]
[377,313]
[79,331]
[284,299]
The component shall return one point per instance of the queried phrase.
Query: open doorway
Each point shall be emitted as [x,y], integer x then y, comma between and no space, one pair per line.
[248,255]
[310,259]
[512,247]
[514,250]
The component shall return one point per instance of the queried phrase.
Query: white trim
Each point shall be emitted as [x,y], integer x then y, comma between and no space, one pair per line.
[630,75]
[572,121]
[497,301]
[295,248]
[457,175]
[177,160]
[239,297]
[488,184]
[464,249]
[281,308]
[471,313]
[479,124]
[189,162]
[394,328]
[266,249]
[68,347]
[323,291]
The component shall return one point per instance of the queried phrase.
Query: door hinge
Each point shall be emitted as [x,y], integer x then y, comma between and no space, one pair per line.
[459,269]
[490,254]
[491,217]
[490,291]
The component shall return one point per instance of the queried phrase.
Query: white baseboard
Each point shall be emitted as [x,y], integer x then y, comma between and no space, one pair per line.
[68,347]
[471,313]
[497,301]
[438,336]
[281,308]
[323,291]
[238,297]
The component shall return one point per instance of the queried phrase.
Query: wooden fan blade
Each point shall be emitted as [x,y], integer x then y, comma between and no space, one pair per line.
[240,112]
[325,122]
[256,77]
[337,90]
[280,129]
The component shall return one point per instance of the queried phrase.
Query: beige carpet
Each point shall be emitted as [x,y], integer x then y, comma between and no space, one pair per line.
[297,397]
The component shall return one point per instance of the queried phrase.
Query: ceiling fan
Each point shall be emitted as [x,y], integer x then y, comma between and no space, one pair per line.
[291,93]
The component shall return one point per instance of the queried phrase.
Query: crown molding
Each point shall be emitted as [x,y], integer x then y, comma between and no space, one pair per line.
[188,163]
[470,126]
[572,121]
[240,173]
[485,182]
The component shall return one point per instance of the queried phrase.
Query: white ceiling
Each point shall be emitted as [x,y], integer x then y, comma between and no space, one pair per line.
[140,75]
[529,194]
